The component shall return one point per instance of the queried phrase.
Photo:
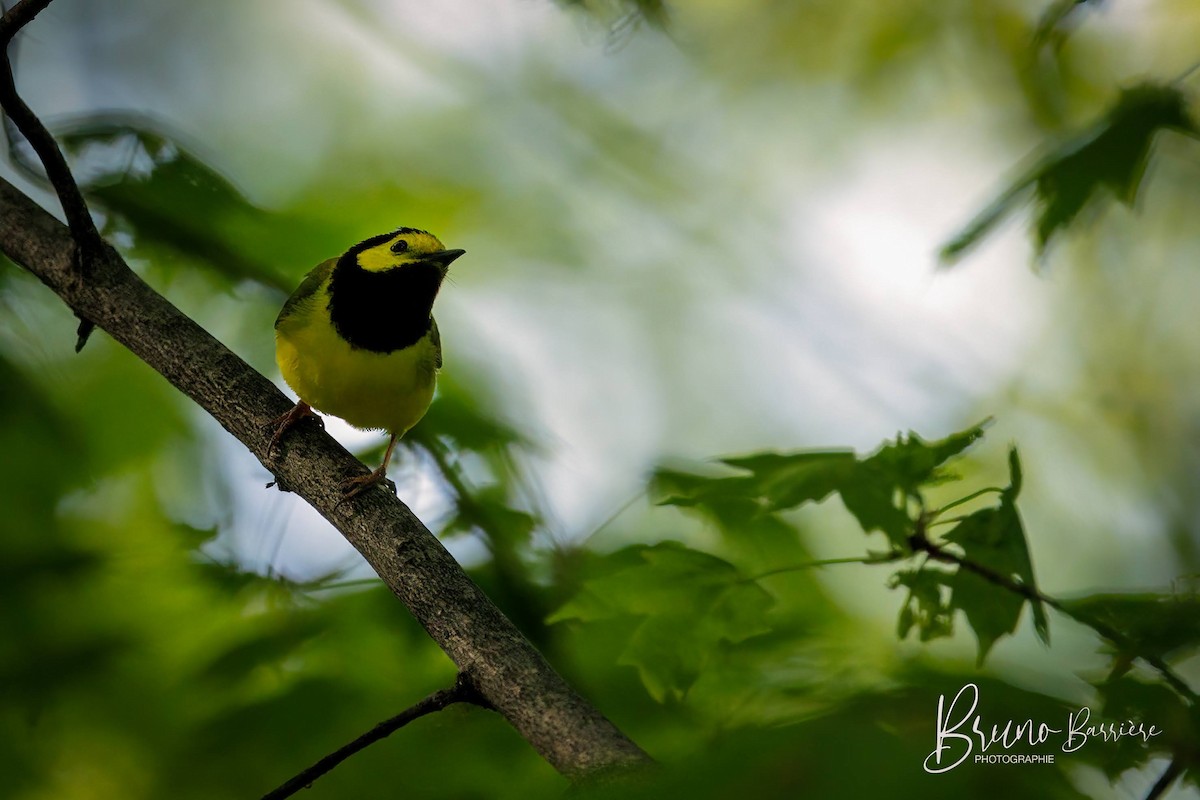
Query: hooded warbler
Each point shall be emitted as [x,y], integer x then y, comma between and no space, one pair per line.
[358,340]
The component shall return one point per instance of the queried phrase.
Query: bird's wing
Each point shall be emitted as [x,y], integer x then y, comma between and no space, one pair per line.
[437,342]
[307,288]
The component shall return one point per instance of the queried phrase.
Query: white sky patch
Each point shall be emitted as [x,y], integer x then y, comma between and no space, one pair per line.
[919,331]
[577,359]
[487,33]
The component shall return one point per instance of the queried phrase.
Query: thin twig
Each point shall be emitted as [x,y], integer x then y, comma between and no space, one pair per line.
[18,17]
[1165,780]
[463,691]
[967,499]
[610,519]
[880,558]
[74,206]
[83,230]
[921,544]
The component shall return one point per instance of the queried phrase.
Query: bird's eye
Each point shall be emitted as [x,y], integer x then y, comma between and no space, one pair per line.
[400,246]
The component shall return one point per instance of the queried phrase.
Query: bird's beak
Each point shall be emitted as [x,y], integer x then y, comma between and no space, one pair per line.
[443,257]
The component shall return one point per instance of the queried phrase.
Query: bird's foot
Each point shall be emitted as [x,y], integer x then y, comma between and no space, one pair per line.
[286,421]
[352,487]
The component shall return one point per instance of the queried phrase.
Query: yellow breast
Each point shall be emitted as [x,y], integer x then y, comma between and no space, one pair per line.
[389,391]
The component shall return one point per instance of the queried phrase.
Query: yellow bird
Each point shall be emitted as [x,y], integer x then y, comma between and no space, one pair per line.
[358,340]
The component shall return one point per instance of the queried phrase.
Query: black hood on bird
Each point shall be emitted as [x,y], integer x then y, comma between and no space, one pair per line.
[389,310]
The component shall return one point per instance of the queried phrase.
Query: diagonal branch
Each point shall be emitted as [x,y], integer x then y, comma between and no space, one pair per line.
[508,671]
[17,17]
[921,544]
[461,692]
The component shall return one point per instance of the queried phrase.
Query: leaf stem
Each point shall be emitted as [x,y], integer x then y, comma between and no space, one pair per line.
[949,521]
[611,518]
[987,490]
[877,558]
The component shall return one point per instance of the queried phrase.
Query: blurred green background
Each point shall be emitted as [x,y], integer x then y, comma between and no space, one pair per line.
[693,230]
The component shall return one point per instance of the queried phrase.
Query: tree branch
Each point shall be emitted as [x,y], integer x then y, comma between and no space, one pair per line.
[87,239]
[921,544]
[74,206]
[462,692]
[508,671]
[17,17]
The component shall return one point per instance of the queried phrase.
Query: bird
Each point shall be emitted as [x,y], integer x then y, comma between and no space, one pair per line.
[357,339]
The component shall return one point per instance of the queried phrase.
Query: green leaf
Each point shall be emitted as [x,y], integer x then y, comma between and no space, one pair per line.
[910,462]
[1155,625]
[52,667]
[868,745]
[1130,699]
[877,490]
[688,489]
[51,564]
[991,611]
[277,640]
[670,651]
[690,604]
[1112,155]
[170,197]
[995,539]
[874,489]
[926,607]
[667,654]
[653,579]
[487,509]
[464,415]
[872,500]
[786,481]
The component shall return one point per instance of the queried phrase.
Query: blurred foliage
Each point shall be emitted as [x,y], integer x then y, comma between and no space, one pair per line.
[690,604]
[1165,625]
[1111,156]
[145,656]
[163,199]
[885,492]
[874,739]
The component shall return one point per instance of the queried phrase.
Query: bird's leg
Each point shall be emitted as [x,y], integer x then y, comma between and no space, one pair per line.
[284,422]
[355,486]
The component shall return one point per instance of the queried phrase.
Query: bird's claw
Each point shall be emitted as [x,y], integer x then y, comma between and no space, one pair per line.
[352,487]
[286,421]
